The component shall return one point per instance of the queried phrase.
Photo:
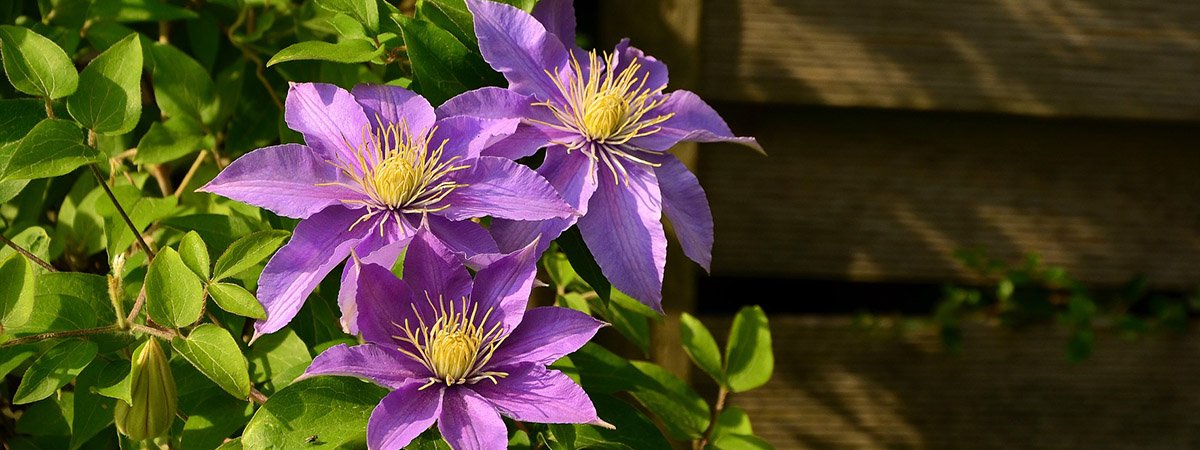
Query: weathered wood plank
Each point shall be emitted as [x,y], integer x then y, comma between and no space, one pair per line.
[1103,58]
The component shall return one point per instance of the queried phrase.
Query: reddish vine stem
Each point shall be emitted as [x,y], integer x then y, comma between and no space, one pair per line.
[27,254]
[712,424]
[61,334]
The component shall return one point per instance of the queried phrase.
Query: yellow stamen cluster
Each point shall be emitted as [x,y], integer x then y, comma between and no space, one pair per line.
[400,170]
[455,347]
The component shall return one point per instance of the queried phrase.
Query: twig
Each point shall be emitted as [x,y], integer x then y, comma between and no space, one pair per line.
[165,334]
[163,177]
[27,254]
[137,305]
[712,425]
[113,198]
[49,108]
[256,396]
[61,334]
[190,173]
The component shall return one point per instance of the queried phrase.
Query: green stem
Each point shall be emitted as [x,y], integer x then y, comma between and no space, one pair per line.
[107,190]
[27,254]
[61,334]
[712,424]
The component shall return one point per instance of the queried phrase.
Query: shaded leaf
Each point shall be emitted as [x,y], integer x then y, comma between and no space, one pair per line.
[749,360]
[346,51]
[109,99]
[36,65]
[168,140]
[366,11]
[335,409]
[54,369]
[214,420]
[17,291]
[278,358]
[54,147]
[137,11]
[442,66]
[699,344]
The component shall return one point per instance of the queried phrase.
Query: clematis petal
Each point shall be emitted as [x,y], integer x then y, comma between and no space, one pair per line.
[394,105]
[558,16]
[501,188]
[516,45]
[685,205]
[466,137]
[289,180]
[653,70]
[693,121]
[331,121]
[383,303]
[572,175]
[318,244]
[534,393]
[403,415]
[624,232]
[377,248]
[469,422]
[464,237]
[545,335]
[504,285]
[374,363]
[430,267]
[499,103]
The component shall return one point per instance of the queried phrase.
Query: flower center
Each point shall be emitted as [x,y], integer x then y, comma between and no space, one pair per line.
[454,347]
[603,116]
[606,105]
[400,170]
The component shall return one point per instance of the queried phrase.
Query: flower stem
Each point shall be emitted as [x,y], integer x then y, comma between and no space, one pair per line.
[722,394]
[27,254]
[137,305]
[191,173]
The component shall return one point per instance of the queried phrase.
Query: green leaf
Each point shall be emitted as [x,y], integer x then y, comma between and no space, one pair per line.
[138,11]
[733,420]
[218,230]
[194,254]
[17,291]
[54,369]
[169,140]
[142,212]
[12,357]
[278,358]
[174,296]
[114,381]
[109,99]
[36,65]
[248,251]
[334,409]
[212,350]
[347,51]
[182,88]
[701,347]
[237,300]
[740,442]
[54,147]
[442,66]
[33,239]
[749,360]
[232,444]
[209,423]
[452,16]
[93,412]
[366,11]
[571,242]
[633,429]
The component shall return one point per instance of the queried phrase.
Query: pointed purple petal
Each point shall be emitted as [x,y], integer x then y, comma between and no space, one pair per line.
[686,207]
[330,120]
[374,363]
[532,393]
[319,243]
[653,70]
[384,302]
[504,286]
[694,121]
[466,137]
[289,180]
[464,237]
[571,175]
[393,105]
[501,188]
[469,422]
[498,103]
[545,335]
[516,45]
[377,248]
[624,232]
[402,415]
[431,268]
[558,16]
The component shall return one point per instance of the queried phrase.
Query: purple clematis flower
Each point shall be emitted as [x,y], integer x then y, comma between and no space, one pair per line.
[460,352]
[607,124]
[378,164]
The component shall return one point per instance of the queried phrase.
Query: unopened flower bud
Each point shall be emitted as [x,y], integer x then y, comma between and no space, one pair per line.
[152,392]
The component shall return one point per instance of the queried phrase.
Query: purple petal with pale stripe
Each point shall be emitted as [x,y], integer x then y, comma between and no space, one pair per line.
[383,303]
[571,174]
[374,363]
[498,103]
[318,244]
[464,237]
[469,422]
[289,180]
[558,16]
[501,188]
[519,47]
[403,415]
[545,335]
[653,70]
[393,105]
[624,232]
[693,121]
[377,248]
[330,120]
[687,208]
[532,393]
[504,286]
[466,137]
[431,268]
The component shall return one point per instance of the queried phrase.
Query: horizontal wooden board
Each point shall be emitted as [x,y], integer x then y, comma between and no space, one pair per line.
[836,386]
[1103,58]
[890,195]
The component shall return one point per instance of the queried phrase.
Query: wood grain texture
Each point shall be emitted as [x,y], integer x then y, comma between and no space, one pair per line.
[1096,58]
